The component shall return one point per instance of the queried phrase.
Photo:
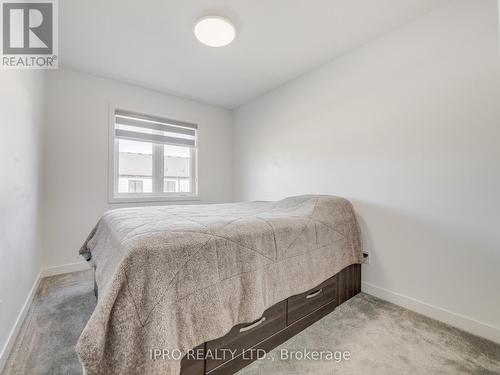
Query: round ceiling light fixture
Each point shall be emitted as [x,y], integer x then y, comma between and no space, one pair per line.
[214,31]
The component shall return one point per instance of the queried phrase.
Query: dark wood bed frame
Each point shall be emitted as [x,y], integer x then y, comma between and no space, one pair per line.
[278,323]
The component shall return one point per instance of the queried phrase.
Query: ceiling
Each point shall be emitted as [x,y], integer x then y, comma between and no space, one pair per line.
[151,43]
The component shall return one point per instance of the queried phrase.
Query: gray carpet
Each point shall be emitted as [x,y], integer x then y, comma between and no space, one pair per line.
[381,338]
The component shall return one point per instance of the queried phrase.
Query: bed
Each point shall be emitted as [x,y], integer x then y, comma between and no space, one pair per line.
[177,284]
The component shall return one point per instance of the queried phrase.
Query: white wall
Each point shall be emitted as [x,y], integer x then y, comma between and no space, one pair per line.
[21,118]
[76,153]
[408,128]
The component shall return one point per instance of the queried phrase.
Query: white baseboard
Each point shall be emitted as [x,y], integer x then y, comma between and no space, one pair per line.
[11,339]
[65,268]
[459,321]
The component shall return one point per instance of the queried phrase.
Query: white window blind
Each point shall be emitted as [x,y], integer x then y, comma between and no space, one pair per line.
[138,127]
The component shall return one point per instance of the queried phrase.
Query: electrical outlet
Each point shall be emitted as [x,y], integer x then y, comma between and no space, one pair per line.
[366,258]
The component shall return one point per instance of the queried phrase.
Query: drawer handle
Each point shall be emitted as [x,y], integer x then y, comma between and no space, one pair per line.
[253,325]
[314,294]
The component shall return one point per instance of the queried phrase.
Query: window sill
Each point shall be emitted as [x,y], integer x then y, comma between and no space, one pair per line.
[138,199]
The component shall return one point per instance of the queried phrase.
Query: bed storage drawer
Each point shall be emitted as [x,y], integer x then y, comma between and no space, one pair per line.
[273,331]
[194,365]
[305,303]
[244,336]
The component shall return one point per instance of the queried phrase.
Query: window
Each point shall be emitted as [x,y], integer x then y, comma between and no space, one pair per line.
[152,158]
[170,186]
[135,186]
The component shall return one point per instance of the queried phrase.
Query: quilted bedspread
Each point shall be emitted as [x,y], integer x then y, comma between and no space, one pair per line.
[173,277]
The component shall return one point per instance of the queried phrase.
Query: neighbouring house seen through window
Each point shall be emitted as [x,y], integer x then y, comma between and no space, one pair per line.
[135,186]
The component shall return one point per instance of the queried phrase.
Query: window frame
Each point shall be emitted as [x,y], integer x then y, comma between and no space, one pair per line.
[113,152]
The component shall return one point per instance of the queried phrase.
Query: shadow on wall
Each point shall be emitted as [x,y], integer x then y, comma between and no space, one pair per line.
[433,259]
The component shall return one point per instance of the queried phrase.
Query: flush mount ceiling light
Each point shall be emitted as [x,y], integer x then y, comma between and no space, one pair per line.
[214,31]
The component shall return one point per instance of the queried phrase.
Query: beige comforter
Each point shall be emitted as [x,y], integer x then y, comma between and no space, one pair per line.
[172,277]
